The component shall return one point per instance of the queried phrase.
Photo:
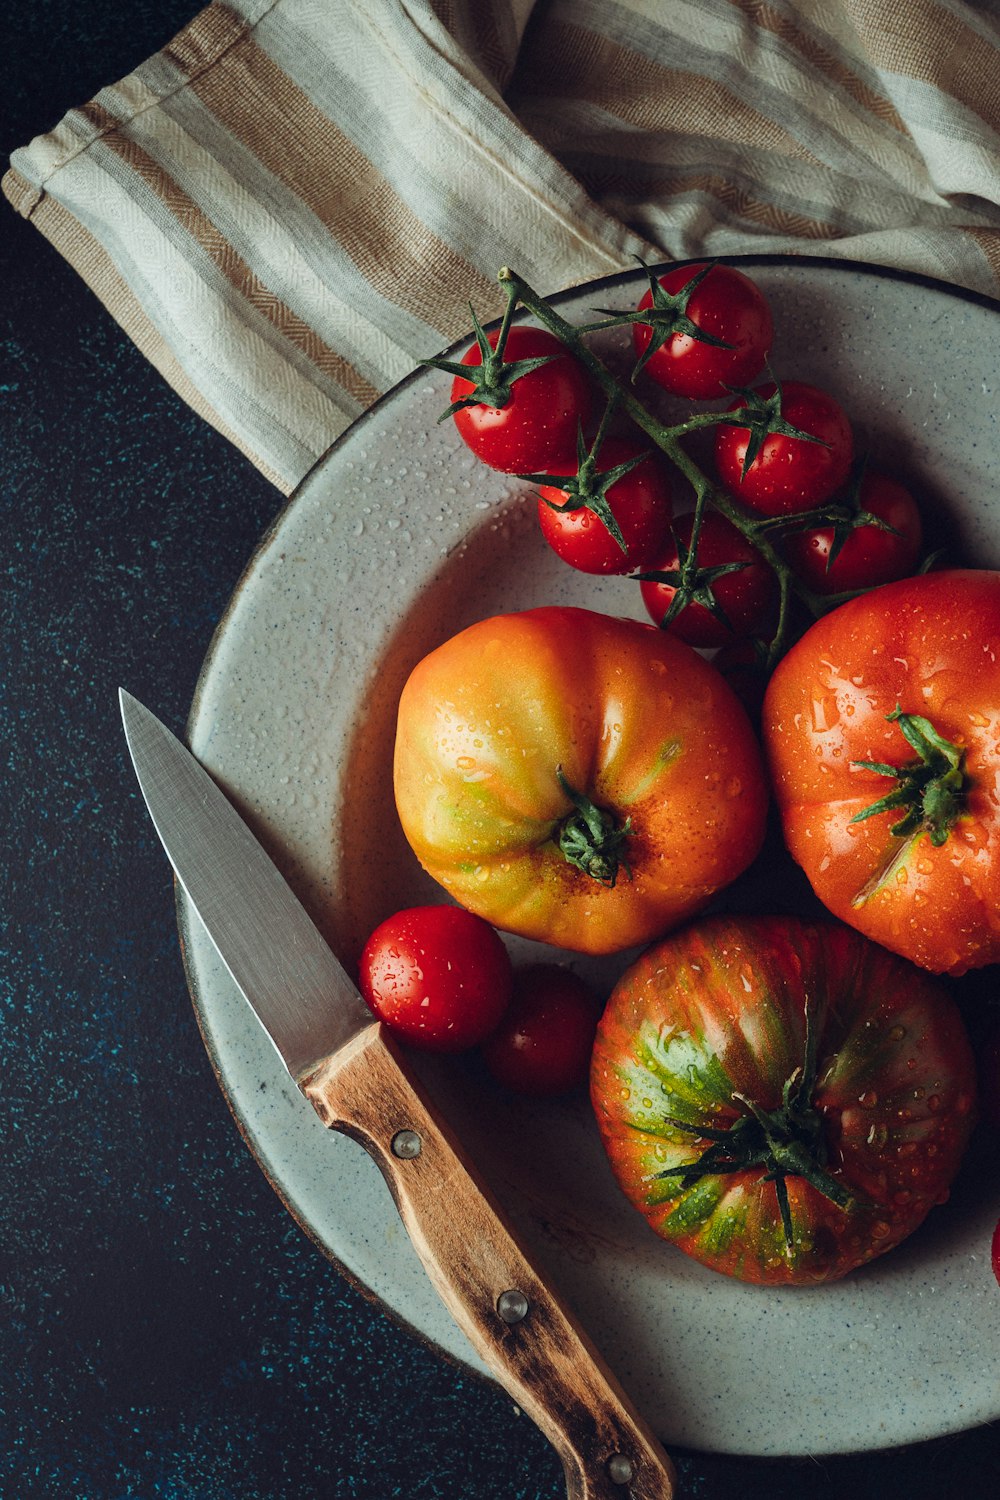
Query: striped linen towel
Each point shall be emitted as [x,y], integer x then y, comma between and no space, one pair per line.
[296,200]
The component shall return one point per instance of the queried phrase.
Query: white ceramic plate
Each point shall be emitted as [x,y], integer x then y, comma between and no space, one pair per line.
[395,541]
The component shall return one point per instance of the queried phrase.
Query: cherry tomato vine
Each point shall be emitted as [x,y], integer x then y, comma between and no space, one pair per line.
[745,426]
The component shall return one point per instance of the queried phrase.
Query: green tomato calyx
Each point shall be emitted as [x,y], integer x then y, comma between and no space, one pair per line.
[591,839]
[589,487]
[666,316]
[762,416]
[493,379]
[691,583]
[930,790]
[788,1141]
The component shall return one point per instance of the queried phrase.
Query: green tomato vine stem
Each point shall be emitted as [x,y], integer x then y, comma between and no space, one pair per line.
[669,439]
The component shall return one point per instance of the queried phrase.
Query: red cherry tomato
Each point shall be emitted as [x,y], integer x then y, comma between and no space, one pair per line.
[639,501]
[725,305]
[437,976]
[536,427]
[746,597]
[868,555]
[788,474]
[543,1044]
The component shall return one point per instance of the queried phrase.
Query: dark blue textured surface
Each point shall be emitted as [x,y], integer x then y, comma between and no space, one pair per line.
[166,1329]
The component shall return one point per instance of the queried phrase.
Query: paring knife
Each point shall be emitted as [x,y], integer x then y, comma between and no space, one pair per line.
[359,1081]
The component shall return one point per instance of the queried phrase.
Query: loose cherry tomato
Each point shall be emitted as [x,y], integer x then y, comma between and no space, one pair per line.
[638,504]
[528,422]
[732,594]
[437,976]
[543,1043]
[856,552]
[724,307]
[786,474]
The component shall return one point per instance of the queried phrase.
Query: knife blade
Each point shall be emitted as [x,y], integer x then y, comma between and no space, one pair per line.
[359,1081]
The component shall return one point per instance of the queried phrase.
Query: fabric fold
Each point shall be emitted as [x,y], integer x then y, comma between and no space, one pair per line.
[291,204]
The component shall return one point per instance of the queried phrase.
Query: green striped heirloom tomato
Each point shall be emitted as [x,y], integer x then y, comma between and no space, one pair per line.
[783,1100]
[586,781]
[882,727]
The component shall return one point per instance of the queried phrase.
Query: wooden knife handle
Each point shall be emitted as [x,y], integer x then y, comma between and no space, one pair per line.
[503,1305]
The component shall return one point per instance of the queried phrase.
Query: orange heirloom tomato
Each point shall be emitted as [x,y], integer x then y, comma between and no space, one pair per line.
[882,728]
[579,779]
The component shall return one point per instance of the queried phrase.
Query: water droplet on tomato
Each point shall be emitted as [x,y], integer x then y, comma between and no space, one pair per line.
[825,712]
[868,1099]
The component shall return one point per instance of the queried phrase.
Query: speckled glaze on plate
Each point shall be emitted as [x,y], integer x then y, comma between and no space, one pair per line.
[395,541]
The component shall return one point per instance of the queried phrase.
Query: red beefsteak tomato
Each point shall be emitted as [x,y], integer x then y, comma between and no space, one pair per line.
[575,778]
[882,727]
[781,1099]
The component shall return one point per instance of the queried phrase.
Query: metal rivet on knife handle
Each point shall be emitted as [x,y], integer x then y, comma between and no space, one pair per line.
[512,1306]
[406,1144]
[620,1470]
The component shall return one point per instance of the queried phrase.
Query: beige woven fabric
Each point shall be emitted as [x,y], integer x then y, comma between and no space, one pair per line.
[296,200]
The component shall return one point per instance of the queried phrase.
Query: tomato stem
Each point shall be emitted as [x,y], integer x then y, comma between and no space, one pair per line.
[666,315]
[493,379]
[591,839]
[785,1142]
[930,790]
[588,488]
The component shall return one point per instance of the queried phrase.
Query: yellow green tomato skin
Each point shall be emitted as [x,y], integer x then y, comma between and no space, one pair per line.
[634,719]
[713,1019]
